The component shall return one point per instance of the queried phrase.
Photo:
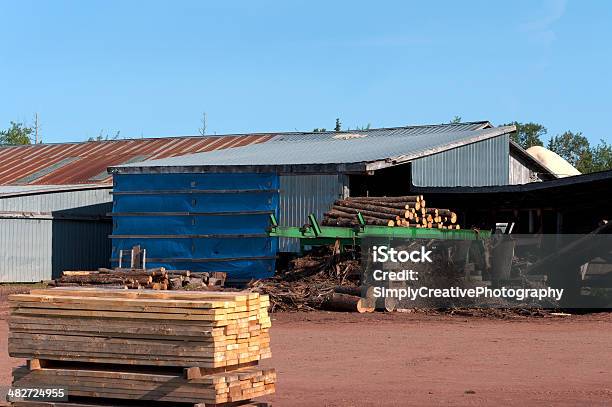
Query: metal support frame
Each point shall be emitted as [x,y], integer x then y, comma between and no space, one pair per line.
[314,235]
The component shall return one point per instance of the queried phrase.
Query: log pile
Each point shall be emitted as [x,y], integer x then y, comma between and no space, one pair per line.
[122,345]
[401,211]
[129,278]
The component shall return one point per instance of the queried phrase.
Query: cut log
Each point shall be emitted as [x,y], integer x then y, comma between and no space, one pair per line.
[390,207]
[345,222]
[79,273]
[409,198]
[391,304]
[360,291]
[370,210]
[347,303]
[452,216]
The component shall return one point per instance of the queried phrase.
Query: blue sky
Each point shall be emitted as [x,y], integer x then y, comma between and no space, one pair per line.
[150,68]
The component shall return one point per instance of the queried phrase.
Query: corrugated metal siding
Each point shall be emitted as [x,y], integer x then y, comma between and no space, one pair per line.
[478,164]
[59,201]
[39,249]
[80,245]
[26,250]
[302,195]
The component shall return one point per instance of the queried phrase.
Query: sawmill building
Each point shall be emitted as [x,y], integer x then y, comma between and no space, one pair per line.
[203,203]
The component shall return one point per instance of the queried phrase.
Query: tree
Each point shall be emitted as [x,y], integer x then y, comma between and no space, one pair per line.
[318,130]
[366,127]
[528,134]
[202,130]
[17,134]
[456,119]
[338,125]
[574,147]
[601,157]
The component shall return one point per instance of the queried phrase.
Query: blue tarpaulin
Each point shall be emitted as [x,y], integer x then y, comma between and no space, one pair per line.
[198,222]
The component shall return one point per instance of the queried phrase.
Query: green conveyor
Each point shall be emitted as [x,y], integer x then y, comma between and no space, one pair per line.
[313,234]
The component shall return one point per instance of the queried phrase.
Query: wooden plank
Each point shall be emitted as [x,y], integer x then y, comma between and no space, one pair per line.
[120,308]
[115,301]
[151,294]
[161,387]
[214,320]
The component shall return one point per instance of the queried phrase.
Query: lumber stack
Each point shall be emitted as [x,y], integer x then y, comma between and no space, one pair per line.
[183,347]
[129,278]
[400,211]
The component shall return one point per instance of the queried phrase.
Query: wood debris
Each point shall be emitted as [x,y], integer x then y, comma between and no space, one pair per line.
[310,281]
[131,278]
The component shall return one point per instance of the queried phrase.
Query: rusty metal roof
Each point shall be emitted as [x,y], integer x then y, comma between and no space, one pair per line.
[87,162]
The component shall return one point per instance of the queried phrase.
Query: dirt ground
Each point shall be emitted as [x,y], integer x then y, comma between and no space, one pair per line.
[337,359]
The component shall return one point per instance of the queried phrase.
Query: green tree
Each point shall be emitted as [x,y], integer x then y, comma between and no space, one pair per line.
[601,157]
[366,127]
[338,126]
[575,148]
[528,134]
[456,119]
[17,134]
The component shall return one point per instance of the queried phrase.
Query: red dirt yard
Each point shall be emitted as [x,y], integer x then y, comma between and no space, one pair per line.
[338,359]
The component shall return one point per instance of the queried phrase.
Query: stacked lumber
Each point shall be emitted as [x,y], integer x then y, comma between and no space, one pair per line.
[236,385]
[196,347]
[401,211]
[129,278]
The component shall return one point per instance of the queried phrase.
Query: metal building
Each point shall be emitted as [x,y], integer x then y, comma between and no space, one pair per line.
[310,170]
[54,198]
[45,229]
[314,169]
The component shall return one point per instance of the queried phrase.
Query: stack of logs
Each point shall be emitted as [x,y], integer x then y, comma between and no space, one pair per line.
[154,278]
[402,211]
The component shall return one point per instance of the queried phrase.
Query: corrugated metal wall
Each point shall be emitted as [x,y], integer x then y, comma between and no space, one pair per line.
[37,247]
[301,195]
[478,164]
[26,250]
[77,201]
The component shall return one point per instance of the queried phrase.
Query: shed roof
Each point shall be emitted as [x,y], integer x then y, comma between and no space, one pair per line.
[87,162]
[577,193]
[349,151]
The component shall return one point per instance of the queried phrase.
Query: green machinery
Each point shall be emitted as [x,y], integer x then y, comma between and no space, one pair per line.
[313,234]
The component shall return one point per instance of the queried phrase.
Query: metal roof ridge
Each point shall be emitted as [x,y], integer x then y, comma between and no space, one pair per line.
[484,123]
